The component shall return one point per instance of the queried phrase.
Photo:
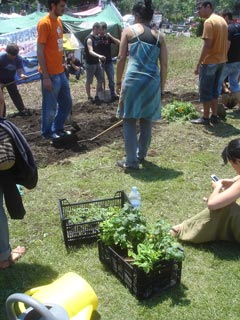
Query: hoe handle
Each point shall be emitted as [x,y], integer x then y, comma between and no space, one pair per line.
[107,130]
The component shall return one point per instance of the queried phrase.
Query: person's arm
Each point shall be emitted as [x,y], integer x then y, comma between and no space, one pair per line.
[21,74]
[205,49]
[115,40]
[19,66]
[47,83]
[228,45]
[1,103]
[122,56]
[74,66]
[220,198]
[163,60]
[93,53]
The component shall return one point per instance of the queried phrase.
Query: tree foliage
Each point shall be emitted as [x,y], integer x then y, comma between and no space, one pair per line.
[174,10]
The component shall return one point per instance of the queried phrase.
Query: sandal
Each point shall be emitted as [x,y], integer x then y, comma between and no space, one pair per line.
[16,254]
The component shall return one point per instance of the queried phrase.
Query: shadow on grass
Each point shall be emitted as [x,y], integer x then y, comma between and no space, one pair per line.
[177,295]
[152,172]
[21,277]
[222,129]
[233,114]
[223,250]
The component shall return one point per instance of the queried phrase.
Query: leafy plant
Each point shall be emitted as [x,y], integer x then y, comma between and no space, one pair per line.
[158,245]
[91,213]
[179,111]
[146,244]
[127,228]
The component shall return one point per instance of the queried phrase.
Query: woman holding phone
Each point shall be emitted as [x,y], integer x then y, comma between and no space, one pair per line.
[221,219]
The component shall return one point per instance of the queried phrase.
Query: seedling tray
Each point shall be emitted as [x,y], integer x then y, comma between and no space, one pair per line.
[143,285]
[76,233]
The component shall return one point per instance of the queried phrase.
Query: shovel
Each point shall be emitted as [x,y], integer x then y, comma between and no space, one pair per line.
[103,132]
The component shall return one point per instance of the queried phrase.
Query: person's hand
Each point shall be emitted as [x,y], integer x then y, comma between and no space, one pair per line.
[23,76]
[47,83]
[102,58]
[197,69]
[118,87]
[217,184]
[226,183]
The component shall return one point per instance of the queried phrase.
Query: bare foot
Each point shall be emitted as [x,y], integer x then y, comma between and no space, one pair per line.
[175,230]
[16,254]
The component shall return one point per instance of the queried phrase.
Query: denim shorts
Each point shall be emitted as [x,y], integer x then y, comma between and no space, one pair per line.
[232,72]
[94,70]
[209,77]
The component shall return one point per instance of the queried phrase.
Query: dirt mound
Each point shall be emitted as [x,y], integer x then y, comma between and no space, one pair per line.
[90,118]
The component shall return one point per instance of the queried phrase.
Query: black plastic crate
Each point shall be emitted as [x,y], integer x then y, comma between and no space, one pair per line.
[83,232]
[143,285]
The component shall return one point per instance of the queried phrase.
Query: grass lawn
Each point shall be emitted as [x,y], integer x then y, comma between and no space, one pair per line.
[172,184]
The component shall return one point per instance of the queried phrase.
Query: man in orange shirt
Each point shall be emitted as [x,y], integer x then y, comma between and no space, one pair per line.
[56,96]
[211,62]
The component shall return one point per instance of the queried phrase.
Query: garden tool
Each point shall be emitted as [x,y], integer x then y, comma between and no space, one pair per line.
[104,81]
[16,81]
[103,132]
[36,310]
[70,292]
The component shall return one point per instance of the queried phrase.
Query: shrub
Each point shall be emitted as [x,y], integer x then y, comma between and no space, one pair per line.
[179,111]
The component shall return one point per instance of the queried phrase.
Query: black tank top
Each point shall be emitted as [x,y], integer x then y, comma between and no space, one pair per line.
[146,36]
[90,59]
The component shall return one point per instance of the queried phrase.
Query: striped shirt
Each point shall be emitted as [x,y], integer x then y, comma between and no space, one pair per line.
[7,155]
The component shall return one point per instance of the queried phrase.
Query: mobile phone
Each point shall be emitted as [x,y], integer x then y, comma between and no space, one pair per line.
[214,178]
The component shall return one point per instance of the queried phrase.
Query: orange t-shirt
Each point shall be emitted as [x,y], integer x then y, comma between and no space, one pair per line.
[50,33]
[216,29]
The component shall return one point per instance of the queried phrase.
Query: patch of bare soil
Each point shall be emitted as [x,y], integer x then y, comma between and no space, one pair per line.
[90,118]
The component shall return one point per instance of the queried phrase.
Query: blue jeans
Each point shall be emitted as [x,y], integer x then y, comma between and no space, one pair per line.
[109,69]
[209,77]
[136,148]
[56,105]
[232,71]
[5,249]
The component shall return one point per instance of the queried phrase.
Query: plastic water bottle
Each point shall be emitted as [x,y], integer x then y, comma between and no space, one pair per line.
[135,198]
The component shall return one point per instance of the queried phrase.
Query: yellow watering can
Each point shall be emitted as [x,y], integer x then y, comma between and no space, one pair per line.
[71,292]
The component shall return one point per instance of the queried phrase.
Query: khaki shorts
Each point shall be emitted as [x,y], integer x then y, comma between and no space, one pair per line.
[94,70]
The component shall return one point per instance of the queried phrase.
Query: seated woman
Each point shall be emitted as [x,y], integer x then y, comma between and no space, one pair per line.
[221,219]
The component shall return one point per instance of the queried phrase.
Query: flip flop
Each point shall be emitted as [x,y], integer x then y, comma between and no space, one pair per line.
[16,254]
[4,264]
